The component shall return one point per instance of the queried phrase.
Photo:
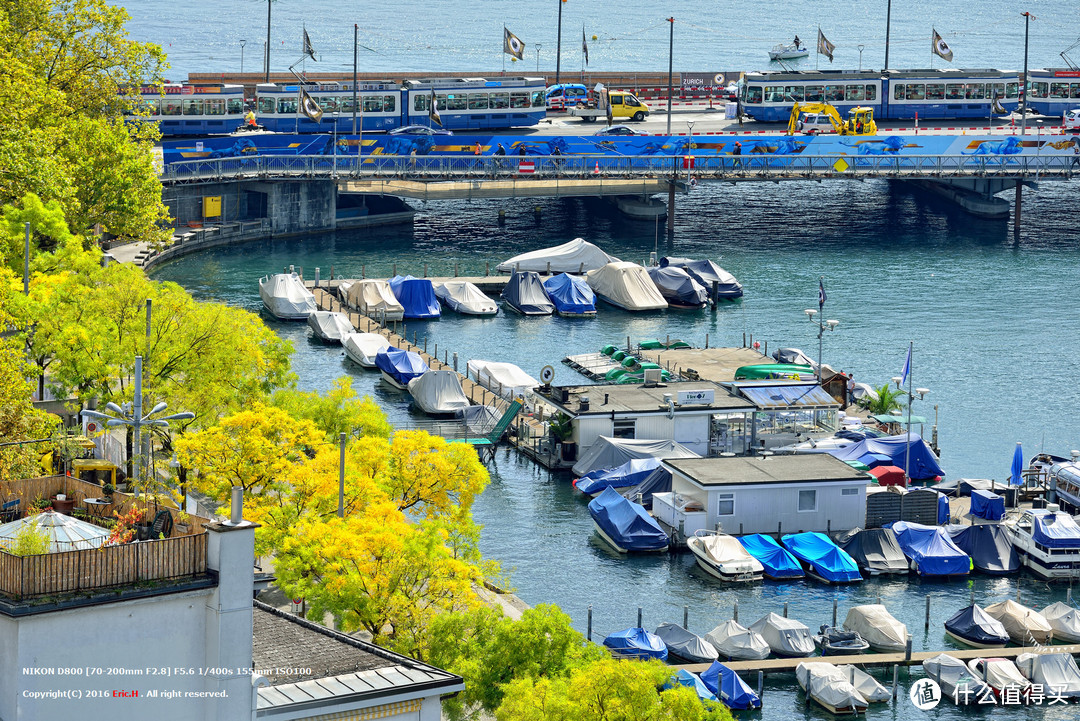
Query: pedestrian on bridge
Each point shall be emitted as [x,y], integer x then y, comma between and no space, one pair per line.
[477,150]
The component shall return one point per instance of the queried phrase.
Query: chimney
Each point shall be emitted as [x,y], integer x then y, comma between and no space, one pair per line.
[583,403]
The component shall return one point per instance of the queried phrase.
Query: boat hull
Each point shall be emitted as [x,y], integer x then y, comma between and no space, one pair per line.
[362,361]
[393,381]
[718,572]
[608,539]
[973,644]
[609,301]
[567,314]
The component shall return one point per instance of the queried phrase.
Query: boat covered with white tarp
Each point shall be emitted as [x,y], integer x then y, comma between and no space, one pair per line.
[956,680]
[627,286]
[686,645]
[1065,620]
[463,297]
[374,298]
[506,380]
[577,256]
[285,296]
[611,452]
[1057,672]
[330,326]
[1024,625]
[829,686]
[785,636]
[737,642]
[363,347]
[438,392]
[880,629]
[723,557]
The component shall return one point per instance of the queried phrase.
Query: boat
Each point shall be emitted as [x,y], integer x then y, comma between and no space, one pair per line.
[771,371]
[608,452]
[682,677]
[342,289]
[972,626]
[416,296]
[685,645]
[738,643]
[930,550]
[880,629]
[822,559]
[505,380]
[867,686]
[1056,672]
[375,299]
[525,293]
[785,636]
[732,691]
[399,366]
[777,561]
[837,642]
[987,505]
[678,288]
[793,356]
[639,207]
[362,348]
[723,557]
[875,550]
[988,545]
[706,273]
[577,256]
[463,297]
[438,393]
[627,286]
[330,327]
[1064,620]
[284,295]
[628,474]
[659,481]
[625,524]
[955,680]
[829,687]
[789,51]
[636,643]
[1047,540]
[1025,626]
[923,461]
[1000,674]
[572,296]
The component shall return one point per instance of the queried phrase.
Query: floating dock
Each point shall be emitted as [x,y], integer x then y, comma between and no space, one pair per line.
[707,364]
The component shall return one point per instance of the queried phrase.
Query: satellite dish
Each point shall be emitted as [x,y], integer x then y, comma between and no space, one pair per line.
[547,374]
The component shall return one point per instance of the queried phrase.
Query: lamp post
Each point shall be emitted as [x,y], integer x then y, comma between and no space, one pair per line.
[690,148]
[1028,17]
[860,57]
[266,79]
[670,56]
[558,44]
[538,46]
[822,325]
[242,44]
[921,392]
[888,24]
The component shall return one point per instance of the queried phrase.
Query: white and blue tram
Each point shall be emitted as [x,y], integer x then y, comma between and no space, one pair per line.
[181,109]
[1053,91]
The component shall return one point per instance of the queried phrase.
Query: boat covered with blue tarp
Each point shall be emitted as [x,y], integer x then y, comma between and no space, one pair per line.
[678,288]
[706,273]
[973,626]
[526,294]
[729,688]
[571,295]
[989,546]
[630,473]
[778,562]
[625,524]
[637,643]
[685,678]
[987,505]
[417,297]
[400,366]
[823,558]
[924,462]
[1054,529]
[931,551]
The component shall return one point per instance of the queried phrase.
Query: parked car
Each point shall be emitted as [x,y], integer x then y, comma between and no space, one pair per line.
[1072,120]
[619,130]
[419,130]
[814,123]
[565,95]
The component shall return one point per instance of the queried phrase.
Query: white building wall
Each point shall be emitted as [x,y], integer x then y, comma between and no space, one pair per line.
[588,428]
[692,430]
[774,507]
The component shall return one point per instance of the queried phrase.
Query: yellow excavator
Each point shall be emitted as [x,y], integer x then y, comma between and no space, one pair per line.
[860,120]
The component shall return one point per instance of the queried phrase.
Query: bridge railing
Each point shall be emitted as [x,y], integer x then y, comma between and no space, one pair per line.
[582,167]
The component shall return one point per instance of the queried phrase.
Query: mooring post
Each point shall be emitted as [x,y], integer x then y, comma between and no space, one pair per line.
[834,612]
[395,267]
[895,680]
[436,356]
[425,270]
[878,601]
[744,339]
[455,361]
[363,272]
[639,617]
[927,626]
[715,293]
[907,650]
[588,633]
[425,347]
[331,271]
[455,269]
[973,597]
[760,683]
[487,268]
[627,344]
[706,341]
[1016,205]
[735,612]
[685,616]
[671,207]
[785,609]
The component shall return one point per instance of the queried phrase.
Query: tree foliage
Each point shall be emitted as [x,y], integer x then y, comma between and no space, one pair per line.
[338,411]
[887,401]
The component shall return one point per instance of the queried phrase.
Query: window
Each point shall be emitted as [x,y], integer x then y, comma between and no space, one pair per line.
[266,106]
[478,101]
[898,92]
[420,102]
[1012,90]
[500,101]
[346,104]
[631,102]
[286,106]
[834,93]
[519,100]
[916,91]
[328,104]
[624,428]
[814,94]
[807,500]
[753,95]
[954,91]
[975,91]
[794,93]
[725,504]
[455,102]
[871,92]
[995,89]
[193,107]
[215,106]
[935,91]
[849,491]
[774,93]
[538,99]
[236,106]
[1074,90]
[855,93]
[1059,90]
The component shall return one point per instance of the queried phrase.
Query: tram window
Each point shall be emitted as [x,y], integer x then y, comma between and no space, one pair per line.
[478,101]
[215,106]
[814,94]
[420,102]
[500,101]
[974,91]
[935,91]
[1074,90]
[266,106]
[328,104]
[834,93]
[995,89]
[954,91]
[793,93]
[538,99]
[898,92]
[1038,90]
[1059,90]
[170,106]
[1012,90]
[753,95]
[774,93]
[235,106]
[871,92]
[287,106]
[346,105]
[916,91]
[389,103]
[193,107]
[372,105]
[519,100]
[456,102]
[150,107]
[855,93]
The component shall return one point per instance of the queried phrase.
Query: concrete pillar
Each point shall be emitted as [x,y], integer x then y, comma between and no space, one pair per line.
[671,209]
[1016,206]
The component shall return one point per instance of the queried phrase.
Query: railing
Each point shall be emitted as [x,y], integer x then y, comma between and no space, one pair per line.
[606,167]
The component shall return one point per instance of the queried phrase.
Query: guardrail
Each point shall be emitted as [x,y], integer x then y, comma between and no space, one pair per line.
[596,167]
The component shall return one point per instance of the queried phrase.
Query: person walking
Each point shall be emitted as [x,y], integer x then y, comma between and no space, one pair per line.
[477,150]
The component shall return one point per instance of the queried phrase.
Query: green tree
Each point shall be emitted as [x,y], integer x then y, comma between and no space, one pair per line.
[887,401]
[338,411]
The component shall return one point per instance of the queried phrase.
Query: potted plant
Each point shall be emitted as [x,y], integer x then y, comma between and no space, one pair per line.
[561,428]
[107,490]
[62,503]
[183,523]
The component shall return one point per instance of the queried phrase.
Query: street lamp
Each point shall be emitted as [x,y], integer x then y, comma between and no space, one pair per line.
[690,149]
[242,44]
[822,325]
[860,57]
[538,46]
[921,392]
[670,58]
[1028,17]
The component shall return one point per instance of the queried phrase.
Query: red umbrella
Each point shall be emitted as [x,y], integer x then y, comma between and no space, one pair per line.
[888,475]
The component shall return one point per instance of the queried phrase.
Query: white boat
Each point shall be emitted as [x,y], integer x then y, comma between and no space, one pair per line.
[738,642]
[785,636]
[505,380]
[1065,620]
[285,296]
[828,686]
[329,326]
[789,51]
[685,645]
[375,299]
[999,674]
[640,208]
[880,629]
[1057,672]
[627,286]
[577,256]
[438,393]
[1025,626]
[867,686]
[1047,541]
[956,681]
[362,348]
[723,557]
[463,297]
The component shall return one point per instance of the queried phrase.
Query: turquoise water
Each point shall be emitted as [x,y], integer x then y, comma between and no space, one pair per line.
[992,317]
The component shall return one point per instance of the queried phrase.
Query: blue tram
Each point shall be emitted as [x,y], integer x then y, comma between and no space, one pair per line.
[1053,91]
[181,109]
[893,94]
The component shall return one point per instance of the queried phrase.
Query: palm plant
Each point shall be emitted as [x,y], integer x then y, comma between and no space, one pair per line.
[887,401]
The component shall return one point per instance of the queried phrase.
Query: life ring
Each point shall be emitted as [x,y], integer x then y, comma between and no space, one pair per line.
[693,182]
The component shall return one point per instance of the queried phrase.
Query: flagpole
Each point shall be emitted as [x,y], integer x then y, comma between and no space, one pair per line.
[267,78]
[910,398]
[504,50]
[355,38]
[558,45]
[817,55]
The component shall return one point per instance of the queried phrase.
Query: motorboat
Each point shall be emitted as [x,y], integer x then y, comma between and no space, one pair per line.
[342,289]
[572,296]
[625,525]
[1047,540]
[608,452]
[788,51]
[330,327]
[1025,626]
[989,546]
[659,481]
[930,550]
[821,558]
[732,691]
[778,563]
[923,462]
[706,273]
[723,557]
[416,296]
[636,643]
[375,299]
[682,677]
[1056,672]
[1064,620]
[880,629]
[837,642]
[956,680]
[867,686]
[972,626]
[463,297]
[685,645]
[525,294]
[678,288]
[828,686]
[1000,674]
[577,256]
[361,348]
[793,356]
[505,380]
[438,393]
[284,295]
[785,636]
[627,286]
[400,366]
[630,473]
[738,643]
[875,550]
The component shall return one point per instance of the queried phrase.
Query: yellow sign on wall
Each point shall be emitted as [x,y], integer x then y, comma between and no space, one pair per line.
[211,206]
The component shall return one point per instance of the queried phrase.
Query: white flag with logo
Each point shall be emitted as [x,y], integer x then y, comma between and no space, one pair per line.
[940,47]
[512,45]
[824,47]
